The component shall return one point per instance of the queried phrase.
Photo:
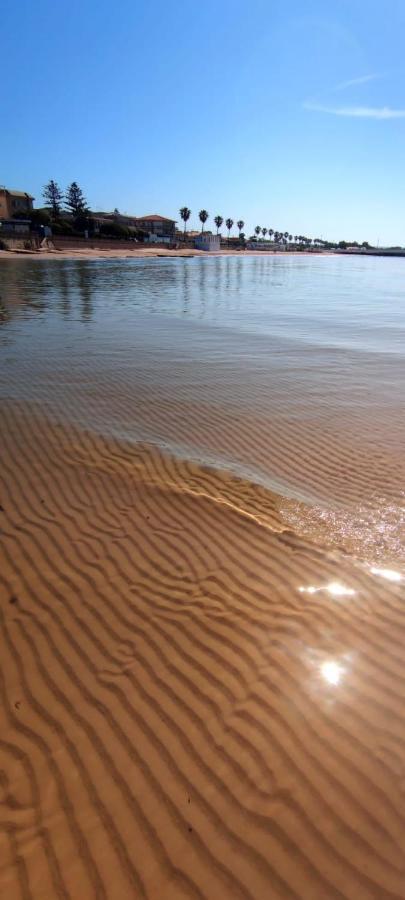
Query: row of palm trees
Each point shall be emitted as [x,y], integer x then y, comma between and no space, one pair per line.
[283,237]
[203,216]
[279,237]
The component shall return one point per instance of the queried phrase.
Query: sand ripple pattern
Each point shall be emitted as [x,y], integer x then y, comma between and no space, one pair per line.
[180,716]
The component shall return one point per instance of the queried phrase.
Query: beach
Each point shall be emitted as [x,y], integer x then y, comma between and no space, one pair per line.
[201,579]
[140,252]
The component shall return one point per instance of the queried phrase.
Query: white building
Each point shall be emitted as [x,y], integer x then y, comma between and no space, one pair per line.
[207,241]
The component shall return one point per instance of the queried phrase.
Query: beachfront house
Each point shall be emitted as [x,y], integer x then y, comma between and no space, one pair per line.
[157,227]
[15,202]
[116,218]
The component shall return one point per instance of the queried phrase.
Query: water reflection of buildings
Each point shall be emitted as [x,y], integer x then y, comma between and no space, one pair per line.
[203,287]
[19,291]
[186,288]
[63,284]
[209,284]
[34,288]
[85,289]
[5,315]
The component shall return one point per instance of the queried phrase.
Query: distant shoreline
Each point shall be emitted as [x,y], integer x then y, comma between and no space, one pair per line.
[146,253]
[154,252]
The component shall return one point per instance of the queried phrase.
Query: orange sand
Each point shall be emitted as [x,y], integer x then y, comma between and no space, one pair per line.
[195,702]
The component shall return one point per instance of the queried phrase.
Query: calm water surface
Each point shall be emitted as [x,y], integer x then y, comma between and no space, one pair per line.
[287,370]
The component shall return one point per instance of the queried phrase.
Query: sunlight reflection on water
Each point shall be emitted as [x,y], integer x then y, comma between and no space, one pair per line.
[334,589]
[331,671]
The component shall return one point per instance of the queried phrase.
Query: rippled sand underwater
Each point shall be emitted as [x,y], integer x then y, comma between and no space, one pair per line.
[201,561]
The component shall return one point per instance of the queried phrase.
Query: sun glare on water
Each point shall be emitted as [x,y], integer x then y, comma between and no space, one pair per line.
[335,589]
[389,574]
[331,671]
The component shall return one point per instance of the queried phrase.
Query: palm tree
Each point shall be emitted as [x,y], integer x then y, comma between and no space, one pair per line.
[185,214]
[240,223]
[264,232]
[290,238]
[286,235]
[271,232]
[258,230]
[229,223]
[203,216]
[218,221]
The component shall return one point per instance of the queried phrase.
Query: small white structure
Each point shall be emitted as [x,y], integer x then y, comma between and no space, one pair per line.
[266,245]
[158,239]
[208,241]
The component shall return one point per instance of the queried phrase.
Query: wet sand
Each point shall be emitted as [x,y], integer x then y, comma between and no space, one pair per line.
[196,702]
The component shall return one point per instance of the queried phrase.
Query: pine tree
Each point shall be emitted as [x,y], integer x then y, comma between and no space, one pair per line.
[53,197]
[75,200]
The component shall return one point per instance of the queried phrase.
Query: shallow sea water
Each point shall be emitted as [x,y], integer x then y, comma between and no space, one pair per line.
[289,371]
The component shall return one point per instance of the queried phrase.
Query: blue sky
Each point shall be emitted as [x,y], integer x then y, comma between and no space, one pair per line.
[289,115]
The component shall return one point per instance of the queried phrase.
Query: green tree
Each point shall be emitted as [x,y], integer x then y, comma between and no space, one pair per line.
[35,216]
[75,200]
[218,221]
[185,214]
[240,225]
[229,223]
[113,229]
[258,230]
[271,232]
[53,197]
[84,223]
[264,232]
[203,215]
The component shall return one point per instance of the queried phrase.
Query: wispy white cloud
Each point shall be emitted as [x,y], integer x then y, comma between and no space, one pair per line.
[358,112]
[352,82]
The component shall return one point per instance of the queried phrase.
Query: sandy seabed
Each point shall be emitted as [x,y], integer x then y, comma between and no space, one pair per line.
[195,702]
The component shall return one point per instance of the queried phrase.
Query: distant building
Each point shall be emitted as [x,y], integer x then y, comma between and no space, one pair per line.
[12,202]
[103,218]
[157,225]
[266,245]
[11,227]
[207,241]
